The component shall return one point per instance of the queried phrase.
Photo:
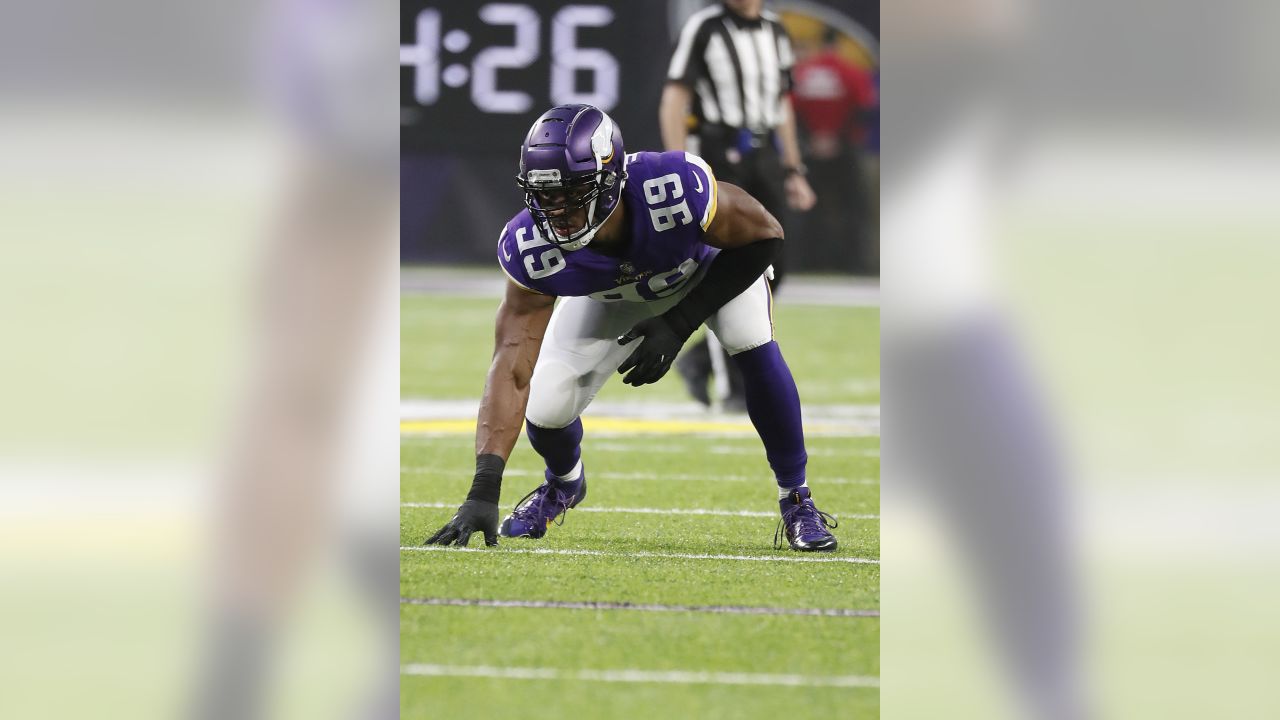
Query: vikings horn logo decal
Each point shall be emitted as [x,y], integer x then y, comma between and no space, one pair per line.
[602,140]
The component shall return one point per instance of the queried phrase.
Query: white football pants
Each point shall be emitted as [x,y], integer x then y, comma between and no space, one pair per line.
[580,351]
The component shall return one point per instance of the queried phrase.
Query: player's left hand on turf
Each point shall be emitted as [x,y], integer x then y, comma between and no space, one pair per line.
[653,358]
[474,516]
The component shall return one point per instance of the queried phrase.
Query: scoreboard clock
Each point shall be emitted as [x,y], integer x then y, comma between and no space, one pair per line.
[474,75]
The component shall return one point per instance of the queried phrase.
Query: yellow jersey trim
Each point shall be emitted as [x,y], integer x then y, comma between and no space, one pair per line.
[713,187]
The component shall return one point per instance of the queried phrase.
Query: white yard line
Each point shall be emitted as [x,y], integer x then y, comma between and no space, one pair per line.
[745,432]
[639,607]
[682,477]
[669,444]
[658,511]
[466,409]
[666,447]
[683,677]
[640,554]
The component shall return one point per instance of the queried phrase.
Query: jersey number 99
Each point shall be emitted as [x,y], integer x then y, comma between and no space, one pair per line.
[655,192]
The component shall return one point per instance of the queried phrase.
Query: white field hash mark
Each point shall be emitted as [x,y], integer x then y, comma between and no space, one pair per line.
[683,677]
[640,607]
[639,554]
[658,511]
[667,445]
[682,477]
[640,447]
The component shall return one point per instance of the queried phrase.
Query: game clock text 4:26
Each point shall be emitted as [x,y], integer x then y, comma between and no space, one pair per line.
[508,58]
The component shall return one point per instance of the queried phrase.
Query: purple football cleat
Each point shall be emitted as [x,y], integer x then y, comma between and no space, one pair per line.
[804,524]
[548,503]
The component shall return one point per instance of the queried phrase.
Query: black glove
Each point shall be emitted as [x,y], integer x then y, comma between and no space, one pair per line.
[480,511]
[649,362]
[473,516]
[732,272]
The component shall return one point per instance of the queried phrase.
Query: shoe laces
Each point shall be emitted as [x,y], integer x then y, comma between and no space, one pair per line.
[540,497]
[807,518]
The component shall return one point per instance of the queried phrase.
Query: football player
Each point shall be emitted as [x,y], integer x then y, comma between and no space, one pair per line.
[642,249]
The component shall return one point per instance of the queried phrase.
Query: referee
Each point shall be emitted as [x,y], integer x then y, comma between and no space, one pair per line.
[730,77]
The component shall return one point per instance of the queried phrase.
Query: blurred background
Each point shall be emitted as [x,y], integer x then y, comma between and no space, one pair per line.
[1079,237]
[198,270]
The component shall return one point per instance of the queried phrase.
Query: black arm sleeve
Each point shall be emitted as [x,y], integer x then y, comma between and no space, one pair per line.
[731,272]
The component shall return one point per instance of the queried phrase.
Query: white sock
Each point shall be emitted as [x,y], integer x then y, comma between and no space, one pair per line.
[573,475]
[784,492]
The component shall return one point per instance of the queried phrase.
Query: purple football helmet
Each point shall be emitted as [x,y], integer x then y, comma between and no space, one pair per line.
[572,161]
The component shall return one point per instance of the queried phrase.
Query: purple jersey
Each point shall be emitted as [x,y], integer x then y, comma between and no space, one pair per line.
[670,200]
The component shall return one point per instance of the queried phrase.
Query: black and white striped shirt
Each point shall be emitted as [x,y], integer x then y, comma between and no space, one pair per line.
[738,69]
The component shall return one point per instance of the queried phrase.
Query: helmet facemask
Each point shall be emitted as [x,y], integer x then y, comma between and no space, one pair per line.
[552,203]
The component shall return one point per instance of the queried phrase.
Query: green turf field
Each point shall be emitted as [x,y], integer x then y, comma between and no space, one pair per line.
[574,650]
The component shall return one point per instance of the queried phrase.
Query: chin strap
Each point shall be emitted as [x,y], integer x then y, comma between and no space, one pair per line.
[590,233]
[577,243]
